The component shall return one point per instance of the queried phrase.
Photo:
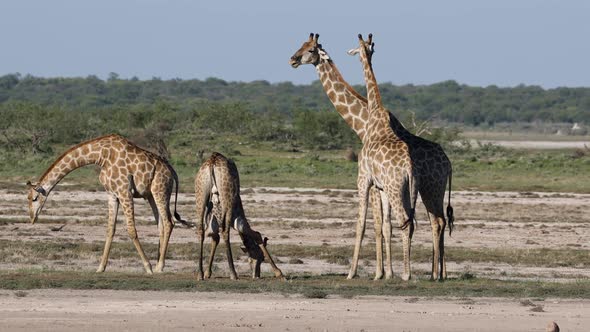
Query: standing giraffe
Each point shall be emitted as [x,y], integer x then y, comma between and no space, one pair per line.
[219,205]
[384,160]
[385,163]
[431,164]
[127,171]
[352,107]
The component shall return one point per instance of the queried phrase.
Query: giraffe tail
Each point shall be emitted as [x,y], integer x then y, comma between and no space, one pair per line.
[413,191]
[176,215]
[450,214]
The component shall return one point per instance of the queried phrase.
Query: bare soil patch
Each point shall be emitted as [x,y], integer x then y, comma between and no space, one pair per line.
[75,310]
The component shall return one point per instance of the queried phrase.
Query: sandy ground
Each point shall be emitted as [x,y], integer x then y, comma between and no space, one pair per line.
[543,145]
[499,220]
[68,310]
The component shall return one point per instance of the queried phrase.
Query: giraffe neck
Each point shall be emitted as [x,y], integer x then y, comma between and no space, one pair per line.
[379,117]
[80,155]
[373,94]
[351,106]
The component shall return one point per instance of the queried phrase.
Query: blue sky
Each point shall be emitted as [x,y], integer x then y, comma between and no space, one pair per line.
[480,43]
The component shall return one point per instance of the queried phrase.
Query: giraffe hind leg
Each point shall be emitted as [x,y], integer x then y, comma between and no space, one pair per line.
[378,223]
[127,204]
[165,231]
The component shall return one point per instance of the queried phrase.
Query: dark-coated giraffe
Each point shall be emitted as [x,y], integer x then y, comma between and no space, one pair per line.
[219,208]
[127,171]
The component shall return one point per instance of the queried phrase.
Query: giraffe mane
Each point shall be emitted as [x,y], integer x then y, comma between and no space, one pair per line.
[63,155]
[346,84]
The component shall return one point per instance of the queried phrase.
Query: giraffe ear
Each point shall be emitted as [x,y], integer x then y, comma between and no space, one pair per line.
[29,184]
[41,191]
[353,51]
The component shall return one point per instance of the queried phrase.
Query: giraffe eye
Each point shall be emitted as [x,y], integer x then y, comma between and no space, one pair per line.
[35,199]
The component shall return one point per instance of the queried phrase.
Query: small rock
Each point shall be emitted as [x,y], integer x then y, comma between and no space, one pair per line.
[552,327]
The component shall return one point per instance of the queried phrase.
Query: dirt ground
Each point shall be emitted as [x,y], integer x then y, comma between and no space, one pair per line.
[69,310]
[484,220]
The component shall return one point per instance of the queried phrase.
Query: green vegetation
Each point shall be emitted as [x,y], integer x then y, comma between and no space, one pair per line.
[28,251]
[307,285]
[447,100]
[279,134]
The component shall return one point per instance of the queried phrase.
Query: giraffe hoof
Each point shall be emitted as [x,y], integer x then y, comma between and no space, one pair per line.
[378,277]
[159,268]
[350,276]
[200,276]
[100,269]
[148,270]
[406,276]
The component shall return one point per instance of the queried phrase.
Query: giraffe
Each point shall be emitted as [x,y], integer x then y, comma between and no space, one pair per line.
[432,164]
[383,162]
[219,206]
[352,107]
[127,171]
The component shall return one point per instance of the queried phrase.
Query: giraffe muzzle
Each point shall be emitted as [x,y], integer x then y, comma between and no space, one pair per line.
[294,62]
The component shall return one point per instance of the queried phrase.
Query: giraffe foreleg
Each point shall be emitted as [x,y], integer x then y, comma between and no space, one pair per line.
[112,224]
[363,190]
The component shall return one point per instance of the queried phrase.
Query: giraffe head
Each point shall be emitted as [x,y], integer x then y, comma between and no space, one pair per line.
[365,46]
[37,197]
[309,53]
[251,239]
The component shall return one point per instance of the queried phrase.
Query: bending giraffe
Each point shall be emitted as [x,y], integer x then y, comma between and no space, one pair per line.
[219,207]
[127,171]
[432,165]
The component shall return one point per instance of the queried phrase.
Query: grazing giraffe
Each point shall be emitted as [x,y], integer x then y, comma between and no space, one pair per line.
[219,206]
[431,164]
[127,171]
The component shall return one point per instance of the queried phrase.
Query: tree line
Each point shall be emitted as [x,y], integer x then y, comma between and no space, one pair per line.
[445,101]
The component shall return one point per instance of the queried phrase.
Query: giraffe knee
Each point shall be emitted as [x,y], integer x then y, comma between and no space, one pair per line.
[132,232]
